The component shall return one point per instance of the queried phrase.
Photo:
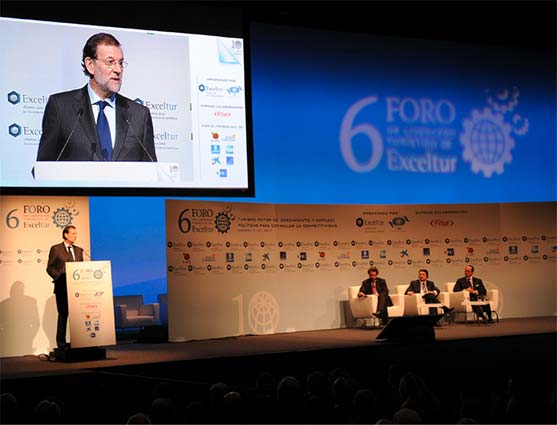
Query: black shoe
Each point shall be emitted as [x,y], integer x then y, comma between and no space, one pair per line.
[484,321]
[378,315]
[447,310]
[490,321]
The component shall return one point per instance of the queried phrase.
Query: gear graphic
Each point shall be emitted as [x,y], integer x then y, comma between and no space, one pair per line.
[62,218]
[521,131]
[222,222]
[504,102]
[70,206]
[486,142]
[228,211]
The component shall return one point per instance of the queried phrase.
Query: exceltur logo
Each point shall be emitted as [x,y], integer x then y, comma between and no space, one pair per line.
[14,130]
[421,135]
[14,98]
[417,137]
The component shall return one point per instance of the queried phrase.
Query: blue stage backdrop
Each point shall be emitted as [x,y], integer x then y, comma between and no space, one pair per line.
[356,119]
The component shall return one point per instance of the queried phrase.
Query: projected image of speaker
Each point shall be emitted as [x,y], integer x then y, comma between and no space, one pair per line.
[410,328]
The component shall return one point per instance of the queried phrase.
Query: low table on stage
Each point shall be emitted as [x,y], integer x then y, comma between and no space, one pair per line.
[472,304]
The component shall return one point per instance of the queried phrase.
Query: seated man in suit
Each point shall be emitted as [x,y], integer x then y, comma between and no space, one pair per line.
[95,123]
[477,290]
[377,286]
[428,290]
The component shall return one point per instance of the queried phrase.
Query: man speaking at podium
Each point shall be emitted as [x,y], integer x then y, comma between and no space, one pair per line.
[58,256]
[95,123]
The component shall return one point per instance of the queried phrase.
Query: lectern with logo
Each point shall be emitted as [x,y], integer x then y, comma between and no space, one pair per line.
[91,310]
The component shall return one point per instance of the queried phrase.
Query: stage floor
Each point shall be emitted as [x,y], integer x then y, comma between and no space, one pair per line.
[143,354]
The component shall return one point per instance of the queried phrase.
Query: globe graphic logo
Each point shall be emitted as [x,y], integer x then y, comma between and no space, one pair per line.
[487,142]
[263,313]
[62,217]
[222,222]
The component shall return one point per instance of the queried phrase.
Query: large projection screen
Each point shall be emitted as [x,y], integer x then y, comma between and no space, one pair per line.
[193,85]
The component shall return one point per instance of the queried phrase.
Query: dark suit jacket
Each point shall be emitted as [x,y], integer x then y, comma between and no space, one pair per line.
[60,115]
[56,267]
[380,286]
[415,286]
[462,283]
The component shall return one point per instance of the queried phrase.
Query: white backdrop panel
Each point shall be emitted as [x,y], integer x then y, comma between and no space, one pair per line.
[241,268]
[29,227]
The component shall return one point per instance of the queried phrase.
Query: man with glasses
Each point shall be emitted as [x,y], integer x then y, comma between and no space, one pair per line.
[429,292]
[95,123]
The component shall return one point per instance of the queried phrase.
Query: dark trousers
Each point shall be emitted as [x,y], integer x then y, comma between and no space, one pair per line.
[62,307]
[432,299]
[383,301]
[479,310]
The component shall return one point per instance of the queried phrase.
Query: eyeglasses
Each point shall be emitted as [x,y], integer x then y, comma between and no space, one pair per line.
[111,63]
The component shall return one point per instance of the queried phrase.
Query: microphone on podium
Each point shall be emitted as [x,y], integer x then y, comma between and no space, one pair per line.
[79,114]
[139,141]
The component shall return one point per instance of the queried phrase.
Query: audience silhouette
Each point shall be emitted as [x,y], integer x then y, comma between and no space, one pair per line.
[395,393]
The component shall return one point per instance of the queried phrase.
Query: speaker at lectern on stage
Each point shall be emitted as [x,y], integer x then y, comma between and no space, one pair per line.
[91,311]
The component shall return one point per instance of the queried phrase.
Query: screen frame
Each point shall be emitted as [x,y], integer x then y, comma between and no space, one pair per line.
[147,18]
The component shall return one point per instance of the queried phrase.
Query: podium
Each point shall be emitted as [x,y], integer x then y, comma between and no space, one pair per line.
[110,172]
[91,311]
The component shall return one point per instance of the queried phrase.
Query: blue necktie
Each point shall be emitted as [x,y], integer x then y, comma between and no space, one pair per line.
[104,131]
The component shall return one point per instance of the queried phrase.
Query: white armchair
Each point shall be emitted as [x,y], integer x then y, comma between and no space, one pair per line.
[362,308]
[457,300]
[162,299]
[414,305]
[494,298]
[131,312]
[399,299]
